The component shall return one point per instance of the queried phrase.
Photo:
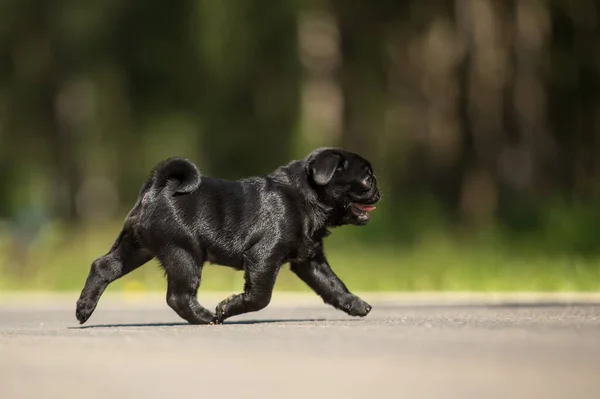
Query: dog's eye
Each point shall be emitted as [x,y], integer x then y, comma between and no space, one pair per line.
[367,181]
[342,165]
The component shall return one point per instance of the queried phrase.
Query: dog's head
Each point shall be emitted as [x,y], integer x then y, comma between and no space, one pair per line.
[345,181]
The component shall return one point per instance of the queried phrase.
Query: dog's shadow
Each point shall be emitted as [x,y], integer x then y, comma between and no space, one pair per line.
[413,307]
[183,324]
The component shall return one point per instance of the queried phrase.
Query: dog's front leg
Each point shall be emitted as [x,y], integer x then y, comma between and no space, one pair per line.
[260,279]
[317,274]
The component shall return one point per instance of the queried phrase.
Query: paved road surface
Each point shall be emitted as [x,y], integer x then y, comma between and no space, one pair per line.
[300,348]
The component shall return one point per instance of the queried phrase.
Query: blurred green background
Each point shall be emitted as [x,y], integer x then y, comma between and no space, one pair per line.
[481,118]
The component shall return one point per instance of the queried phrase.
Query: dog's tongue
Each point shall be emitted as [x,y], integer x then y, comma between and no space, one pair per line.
[365,208]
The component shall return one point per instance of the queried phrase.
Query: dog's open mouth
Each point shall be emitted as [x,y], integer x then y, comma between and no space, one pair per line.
[362,210]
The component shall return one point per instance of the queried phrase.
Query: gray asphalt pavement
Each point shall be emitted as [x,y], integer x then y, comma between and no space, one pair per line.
[408,347]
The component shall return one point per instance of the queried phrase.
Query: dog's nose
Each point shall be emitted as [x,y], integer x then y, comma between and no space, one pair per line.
[377,197]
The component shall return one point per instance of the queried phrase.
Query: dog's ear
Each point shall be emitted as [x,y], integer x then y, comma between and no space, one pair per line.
[322,166]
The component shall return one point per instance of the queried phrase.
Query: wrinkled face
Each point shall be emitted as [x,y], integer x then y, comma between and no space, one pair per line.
[346,181]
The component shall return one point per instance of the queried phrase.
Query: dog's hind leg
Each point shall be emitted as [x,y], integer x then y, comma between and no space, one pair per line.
[184,272]
[125,256]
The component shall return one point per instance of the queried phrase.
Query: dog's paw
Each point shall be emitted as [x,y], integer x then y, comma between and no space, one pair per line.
[354,306]
[84,310]
[221,310]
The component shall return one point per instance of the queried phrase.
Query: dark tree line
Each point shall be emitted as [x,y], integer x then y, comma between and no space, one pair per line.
[490,107]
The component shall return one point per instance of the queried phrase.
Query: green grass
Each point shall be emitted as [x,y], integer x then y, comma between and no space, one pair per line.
[60,261]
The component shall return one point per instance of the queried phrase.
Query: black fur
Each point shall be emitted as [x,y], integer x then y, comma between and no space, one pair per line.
[255,224]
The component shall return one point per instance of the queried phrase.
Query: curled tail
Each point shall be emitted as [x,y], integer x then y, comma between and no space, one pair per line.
[177,175]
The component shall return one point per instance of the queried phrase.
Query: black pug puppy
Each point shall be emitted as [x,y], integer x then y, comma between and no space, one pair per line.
[255,224]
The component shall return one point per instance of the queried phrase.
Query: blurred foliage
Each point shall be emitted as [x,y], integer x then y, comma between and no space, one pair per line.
[482,119]
[434,262]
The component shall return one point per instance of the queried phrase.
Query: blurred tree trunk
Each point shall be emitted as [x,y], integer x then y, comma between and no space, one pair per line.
[63,152]
[55,118]
[362,75]
[250,97]
[150,48]
[485,107]
[6,176]
[574,94]
[37,75]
